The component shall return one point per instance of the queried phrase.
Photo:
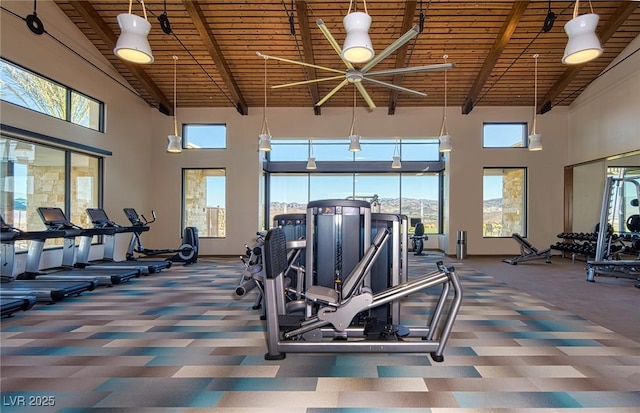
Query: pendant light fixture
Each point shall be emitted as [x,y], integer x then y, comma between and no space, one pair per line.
[132,44]
[357,46]
[583,44]
[175,140]
[535,138]
[396,164]
[311,160]
[445,138]
[265,135]
[354,138]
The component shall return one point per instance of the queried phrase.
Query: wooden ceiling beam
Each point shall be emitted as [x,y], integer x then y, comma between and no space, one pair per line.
[616,20]
[109,38]
[501,41]
[200,22]
[401,53]
[307,47]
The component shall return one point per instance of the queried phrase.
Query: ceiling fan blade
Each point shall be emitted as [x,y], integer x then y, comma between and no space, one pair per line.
[365,95]
[413,32]
[416,69]
[333,92]
[304,82]
[395,87]
[299,63]
[332,41]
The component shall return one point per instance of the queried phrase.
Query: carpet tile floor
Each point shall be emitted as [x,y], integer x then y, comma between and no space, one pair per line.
[180,341]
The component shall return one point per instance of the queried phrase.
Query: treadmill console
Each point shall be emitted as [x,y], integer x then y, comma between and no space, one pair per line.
[54,218]
[99,218]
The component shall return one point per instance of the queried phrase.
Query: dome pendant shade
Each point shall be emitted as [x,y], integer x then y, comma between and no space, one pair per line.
[357,45]
[583,44]
[132,44]
[175,144]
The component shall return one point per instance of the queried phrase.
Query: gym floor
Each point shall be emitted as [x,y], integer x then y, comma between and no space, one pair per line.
[179,341]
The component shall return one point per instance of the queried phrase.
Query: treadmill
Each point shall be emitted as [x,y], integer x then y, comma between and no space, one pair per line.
[11,304]
[55,220]
[102,222]
[43,290]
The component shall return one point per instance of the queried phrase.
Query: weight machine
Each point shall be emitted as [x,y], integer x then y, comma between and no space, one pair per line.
[331,327]
[608,262]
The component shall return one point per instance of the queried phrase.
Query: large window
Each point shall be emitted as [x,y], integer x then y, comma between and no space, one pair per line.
[414,190]
[204,201]
[84,188]
[420,200]
[504,135]
[504,202]
[32,91]
[34,175]
[204,136]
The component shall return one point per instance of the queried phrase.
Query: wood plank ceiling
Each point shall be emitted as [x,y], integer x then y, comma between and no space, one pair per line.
[492,44]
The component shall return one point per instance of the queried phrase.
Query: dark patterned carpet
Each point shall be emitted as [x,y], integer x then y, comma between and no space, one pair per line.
[179,341]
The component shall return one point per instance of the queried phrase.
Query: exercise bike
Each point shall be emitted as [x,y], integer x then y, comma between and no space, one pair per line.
[418,238]
[186,253]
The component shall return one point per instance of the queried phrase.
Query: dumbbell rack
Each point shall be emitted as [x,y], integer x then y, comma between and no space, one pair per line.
[578,244]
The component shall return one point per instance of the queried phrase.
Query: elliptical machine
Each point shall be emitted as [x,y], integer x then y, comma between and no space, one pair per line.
[418,239]
[186,253]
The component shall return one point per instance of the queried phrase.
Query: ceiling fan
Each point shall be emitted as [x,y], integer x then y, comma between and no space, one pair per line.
[357,75]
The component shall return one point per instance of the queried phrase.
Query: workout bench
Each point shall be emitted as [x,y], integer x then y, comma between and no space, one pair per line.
[528,252]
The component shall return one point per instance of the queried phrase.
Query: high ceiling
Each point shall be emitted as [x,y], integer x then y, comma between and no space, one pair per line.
[492,44]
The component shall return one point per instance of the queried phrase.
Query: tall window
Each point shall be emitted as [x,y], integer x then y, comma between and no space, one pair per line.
[32,91]
[204,136]
[504,202]
[204,201]
[504,135]
[84,188]
[35,175]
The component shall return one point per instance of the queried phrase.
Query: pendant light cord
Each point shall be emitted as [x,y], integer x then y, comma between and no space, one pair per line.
[355,4]
[144,9]
[265,126]
[443,131]
[535,93]
[353,114]
[577,6]
[175,94]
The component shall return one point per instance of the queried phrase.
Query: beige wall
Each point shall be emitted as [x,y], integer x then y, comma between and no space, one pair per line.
[465,165]
[141,174]
[604,120]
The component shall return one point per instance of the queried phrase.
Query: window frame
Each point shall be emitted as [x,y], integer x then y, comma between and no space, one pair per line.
[183,220]
[185,135]
[69,91]
[525,201]
[66,150]
[524,138]
[353,167]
